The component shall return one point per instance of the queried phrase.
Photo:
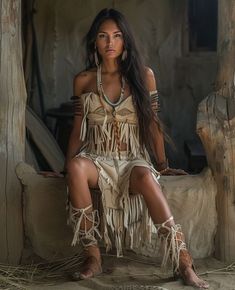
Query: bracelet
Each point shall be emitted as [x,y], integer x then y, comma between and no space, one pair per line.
[163,165]
[164,170]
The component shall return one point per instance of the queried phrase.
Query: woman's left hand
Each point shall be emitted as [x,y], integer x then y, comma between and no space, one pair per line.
[173,171]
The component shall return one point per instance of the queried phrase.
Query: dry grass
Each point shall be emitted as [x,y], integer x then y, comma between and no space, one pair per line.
[230,269]
[18,277]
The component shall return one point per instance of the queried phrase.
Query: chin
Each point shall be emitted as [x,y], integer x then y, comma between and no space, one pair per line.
[111,57]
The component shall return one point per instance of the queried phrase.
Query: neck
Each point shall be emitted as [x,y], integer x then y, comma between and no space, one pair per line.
[110,66]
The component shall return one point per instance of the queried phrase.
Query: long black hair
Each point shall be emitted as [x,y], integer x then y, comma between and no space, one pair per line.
[132,69]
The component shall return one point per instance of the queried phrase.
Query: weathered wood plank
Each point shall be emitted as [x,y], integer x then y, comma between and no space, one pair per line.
[216,128]
[30,157]
[12,130]
[44,140]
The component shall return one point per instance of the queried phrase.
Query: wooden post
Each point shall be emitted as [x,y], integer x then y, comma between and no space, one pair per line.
[12,130]
[216,128]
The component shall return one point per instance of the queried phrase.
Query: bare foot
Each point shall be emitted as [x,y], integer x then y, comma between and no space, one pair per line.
[91,266]
[191,279]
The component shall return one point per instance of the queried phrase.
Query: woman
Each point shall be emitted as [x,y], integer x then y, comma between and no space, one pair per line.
[115,121]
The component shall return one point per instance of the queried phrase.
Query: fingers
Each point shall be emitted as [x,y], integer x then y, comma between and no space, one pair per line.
[50,174]
[173,171]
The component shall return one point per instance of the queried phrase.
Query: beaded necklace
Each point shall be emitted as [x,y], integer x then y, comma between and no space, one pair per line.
[101,89]
[113,105]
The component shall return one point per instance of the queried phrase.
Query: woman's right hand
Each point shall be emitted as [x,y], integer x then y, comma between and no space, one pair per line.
[51,174]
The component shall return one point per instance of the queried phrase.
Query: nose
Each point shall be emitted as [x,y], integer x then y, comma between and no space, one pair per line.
[110,41]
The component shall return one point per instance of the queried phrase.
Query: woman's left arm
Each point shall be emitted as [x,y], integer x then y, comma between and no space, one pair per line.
[157,142]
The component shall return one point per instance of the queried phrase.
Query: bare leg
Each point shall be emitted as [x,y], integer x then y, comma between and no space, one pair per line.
[82,175]
[142,182]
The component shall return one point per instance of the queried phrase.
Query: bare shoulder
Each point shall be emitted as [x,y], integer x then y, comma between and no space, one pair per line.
[82,80]
[150,79]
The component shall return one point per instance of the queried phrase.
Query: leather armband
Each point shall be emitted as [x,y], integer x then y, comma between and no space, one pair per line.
[155,102]
[77,105]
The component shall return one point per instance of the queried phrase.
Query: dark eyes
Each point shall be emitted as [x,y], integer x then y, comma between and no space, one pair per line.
[103,35]
[118,35]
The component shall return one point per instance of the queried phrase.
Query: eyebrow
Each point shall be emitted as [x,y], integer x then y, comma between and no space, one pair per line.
[118,31]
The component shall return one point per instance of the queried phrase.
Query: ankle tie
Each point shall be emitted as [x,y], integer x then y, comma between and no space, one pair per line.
[87,234]
[173,239]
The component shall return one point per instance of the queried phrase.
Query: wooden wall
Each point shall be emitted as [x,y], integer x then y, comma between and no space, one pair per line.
[12,130]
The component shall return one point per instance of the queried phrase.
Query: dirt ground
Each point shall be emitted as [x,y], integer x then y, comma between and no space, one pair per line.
[135,273]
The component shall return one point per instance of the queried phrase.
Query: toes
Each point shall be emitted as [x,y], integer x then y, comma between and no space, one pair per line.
[75,276]
[196,282]
[91,267]
[191,279]
[204,285]
[200,284]
[86,274]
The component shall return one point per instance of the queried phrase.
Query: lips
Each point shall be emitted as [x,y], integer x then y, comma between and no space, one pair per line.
[110,50]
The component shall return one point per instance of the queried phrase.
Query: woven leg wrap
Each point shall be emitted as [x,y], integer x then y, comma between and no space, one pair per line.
[89,230]
[174,244]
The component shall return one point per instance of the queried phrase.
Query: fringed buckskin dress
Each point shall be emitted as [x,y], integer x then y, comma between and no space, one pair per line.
[125,218]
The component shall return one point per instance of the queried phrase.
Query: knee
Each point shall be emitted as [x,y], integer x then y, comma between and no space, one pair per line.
[142,176]
[76,166]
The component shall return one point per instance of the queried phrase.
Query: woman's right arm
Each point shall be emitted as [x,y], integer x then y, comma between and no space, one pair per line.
[75,143]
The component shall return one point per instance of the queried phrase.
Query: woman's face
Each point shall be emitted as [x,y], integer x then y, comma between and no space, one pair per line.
[109,40]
